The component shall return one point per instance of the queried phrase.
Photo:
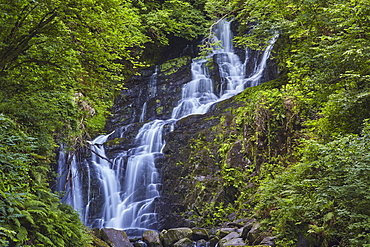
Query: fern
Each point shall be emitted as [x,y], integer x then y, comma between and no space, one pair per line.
[42,239]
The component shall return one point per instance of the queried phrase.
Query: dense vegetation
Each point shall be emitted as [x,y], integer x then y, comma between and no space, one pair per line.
[305,141]
[61,65]
[324,51]
[305,137]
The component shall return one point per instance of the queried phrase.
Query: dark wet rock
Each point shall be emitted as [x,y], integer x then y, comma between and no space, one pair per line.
[235,224]
[223,232]
[200,233]
[152,238]
[246,228]
[159,88]
[171,236]
[230,236]
[185,242]
[214,241]
[97,242]
[255,235]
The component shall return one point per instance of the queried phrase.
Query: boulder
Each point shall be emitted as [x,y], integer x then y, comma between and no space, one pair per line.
[247,227]
[231,235]
[224,232]
[97,242]
[185,242]
[233,242]
[152,238]
[115,237]
[200,233]
[235,224]
[171,236]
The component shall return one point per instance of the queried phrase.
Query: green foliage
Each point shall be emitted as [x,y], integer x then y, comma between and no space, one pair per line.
[251,143]
[325,197]
[30,214]
[45,113]
[342,113]
[218,9]
[173,18]
[323,50]
[321,45]
[51,51]
[173,65]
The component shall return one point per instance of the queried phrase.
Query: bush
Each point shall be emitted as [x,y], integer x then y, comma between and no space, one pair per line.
[324,198]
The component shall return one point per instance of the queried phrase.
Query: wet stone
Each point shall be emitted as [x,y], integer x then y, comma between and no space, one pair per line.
[185,242]
[200,233]
[171,236]
[152,238]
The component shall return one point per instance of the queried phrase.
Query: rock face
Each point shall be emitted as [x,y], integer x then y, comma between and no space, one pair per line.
[158,87]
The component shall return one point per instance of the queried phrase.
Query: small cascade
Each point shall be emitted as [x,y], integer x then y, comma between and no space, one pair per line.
[152,87]
[135,209]
[70,181]
[143,112]
[129,184]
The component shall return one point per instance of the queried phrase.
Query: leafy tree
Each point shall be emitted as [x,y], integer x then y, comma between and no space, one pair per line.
[84,47]
[165,19]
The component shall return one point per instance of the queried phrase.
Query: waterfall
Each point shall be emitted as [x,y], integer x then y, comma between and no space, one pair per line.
[127,186]
[70,181]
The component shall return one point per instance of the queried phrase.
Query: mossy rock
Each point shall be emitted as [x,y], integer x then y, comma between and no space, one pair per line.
[152,238]
[171,236]
[185,242]
[97,242]
[172,66]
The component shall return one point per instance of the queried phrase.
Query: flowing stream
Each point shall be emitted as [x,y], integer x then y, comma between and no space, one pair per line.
[129,184]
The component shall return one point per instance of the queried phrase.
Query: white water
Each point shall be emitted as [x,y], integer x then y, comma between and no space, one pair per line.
[131,204]
[72,181]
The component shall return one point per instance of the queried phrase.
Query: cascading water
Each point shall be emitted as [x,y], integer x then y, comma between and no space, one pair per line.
[129,184]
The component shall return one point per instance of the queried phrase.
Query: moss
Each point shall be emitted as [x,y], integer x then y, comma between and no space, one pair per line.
[114,142]
[172,66]
[159,110]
